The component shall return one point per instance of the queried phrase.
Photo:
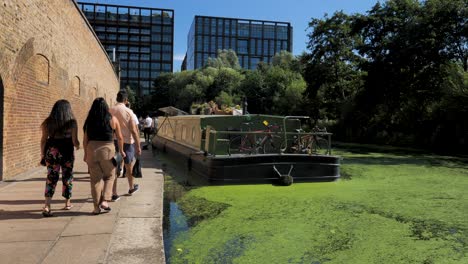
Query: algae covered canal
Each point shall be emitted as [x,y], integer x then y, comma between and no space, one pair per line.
[389,207]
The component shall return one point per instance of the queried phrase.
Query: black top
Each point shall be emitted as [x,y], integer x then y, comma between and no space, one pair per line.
[63,132]
[99,131]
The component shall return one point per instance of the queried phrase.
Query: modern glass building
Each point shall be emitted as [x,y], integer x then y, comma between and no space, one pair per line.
[143,40]
[252,40]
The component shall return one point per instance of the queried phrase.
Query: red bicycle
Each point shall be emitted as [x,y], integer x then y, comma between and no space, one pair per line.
[257,142]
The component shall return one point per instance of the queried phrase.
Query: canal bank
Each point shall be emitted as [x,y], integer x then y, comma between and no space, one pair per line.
[130,233]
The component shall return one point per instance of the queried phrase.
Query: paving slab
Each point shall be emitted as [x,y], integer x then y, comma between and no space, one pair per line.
[15,230]
[101,224]
[137,240]
[79,249]
[24,252]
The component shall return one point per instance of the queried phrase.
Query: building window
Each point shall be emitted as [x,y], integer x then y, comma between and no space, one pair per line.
[133,74]
[166,67]
[242,46]
[167,57]
[256,30]
[243,30]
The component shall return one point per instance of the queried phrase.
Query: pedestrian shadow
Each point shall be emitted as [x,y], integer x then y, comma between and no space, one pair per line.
[40,202]
[80,172]
[36,179]
[37,214]
[81,179]
[27,180]
[57,205]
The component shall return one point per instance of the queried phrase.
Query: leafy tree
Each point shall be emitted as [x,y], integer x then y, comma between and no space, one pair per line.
[331,69]
[225,58]
[227,80]
[161,96]
[225,99]
[393,75]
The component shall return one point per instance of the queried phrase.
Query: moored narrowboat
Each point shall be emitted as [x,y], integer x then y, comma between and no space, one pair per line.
[248,148]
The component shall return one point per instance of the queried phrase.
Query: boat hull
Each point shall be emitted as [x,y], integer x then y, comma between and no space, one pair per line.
[242,168]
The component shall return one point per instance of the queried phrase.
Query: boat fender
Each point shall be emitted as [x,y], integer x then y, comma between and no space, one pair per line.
[285,179]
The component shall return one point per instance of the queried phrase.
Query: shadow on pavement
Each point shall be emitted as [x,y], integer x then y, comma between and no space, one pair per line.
[37,214]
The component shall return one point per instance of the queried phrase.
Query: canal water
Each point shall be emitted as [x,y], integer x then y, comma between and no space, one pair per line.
[176,185]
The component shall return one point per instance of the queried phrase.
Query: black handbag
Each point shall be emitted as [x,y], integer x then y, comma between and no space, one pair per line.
[46,147]
[136,171]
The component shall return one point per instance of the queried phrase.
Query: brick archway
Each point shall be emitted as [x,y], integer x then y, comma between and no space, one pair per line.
[1,128]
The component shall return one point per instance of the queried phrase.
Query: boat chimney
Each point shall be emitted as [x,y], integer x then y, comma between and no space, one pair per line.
[244,105]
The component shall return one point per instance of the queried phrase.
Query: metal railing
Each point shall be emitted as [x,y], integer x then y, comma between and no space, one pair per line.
[212,136]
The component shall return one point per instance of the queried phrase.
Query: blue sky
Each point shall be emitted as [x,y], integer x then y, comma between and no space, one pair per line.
[297,12]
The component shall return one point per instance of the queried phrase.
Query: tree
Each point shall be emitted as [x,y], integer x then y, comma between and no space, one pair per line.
[227,80]
[332,67]
[394,75]
[225,58]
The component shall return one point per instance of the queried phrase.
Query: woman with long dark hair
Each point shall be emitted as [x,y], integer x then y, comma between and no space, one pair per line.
[59,136]
[98,141]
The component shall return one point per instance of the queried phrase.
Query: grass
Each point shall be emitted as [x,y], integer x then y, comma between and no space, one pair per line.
[388,208]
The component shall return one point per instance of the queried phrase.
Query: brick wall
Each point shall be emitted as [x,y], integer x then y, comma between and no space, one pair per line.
[47,52]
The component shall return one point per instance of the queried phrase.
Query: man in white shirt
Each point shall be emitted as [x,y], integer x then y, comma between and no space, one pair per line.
[148,125]
[129,129]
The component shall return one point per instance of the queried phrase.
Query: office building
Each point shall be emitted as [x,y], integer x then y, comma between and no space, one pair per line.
[142,38]
[252,40]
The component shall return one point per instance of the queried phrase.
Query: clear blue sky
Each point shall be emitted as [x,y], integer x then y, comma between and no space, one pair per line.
[297,12]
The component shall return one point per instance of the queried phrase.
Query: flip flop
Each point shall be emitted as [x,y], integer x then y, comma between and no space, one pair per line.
[68,207]
[105,208]
[46,212]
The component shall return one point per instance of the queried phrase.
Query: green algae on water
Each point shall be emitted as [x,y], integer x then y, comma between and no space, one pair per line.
[393,208]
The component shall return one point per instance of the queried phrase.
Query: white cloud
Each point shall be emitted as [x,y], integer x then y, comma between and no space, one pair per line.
[179,57]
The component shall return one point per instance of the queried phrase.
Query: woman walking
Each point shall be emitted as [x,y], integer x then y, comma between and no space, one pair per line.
[99,152]
[59,136]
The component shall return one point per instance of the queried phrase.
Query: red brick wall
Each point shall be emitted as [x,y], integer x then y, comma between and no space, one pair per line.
[47,52]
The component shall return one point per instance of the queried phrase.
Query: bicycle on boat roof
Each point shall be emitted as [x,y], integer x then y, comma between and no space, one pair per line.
[313,143]
[258,141]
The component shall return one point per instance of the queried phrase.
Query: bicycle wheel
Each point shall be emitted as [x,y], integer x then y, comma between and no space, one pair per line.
[321,146]
[241,145]
[305,145]
[272,145]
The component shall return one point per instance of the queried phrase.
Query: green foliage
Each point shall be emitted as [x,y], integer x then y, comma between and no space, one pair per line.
[225,58]
[227,80]
[131,93]
[274,89]
[388,76]
[397,208]
[225,99]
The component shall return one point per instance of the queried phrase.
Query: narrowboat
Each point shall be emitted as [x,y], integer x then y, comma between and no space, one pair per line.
[247,148]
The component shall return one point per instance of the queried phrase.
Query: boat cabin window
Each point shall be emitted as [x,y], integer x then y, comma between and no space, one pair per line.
[184,133]
[193,133]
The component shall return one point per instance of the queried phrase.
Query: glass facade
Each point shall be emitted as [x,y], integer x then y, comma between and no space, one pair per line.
[143,39]
[252,40]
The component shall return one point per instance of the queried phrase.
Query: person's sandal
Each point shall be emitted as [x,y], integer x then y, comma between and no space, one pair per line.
[46,212]
[105,208]
[67,207]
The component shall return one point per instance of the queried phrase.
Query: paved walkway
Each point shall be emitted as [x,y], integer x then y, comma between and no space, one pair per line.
[130,233]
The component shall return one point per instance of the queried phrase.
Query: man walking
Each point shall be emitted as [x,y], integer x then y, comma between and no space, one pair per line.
[130,136]
[147,129]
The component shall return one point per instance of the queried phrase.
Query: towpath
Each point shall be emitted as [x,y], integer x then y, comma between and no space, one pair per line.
[130,233]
